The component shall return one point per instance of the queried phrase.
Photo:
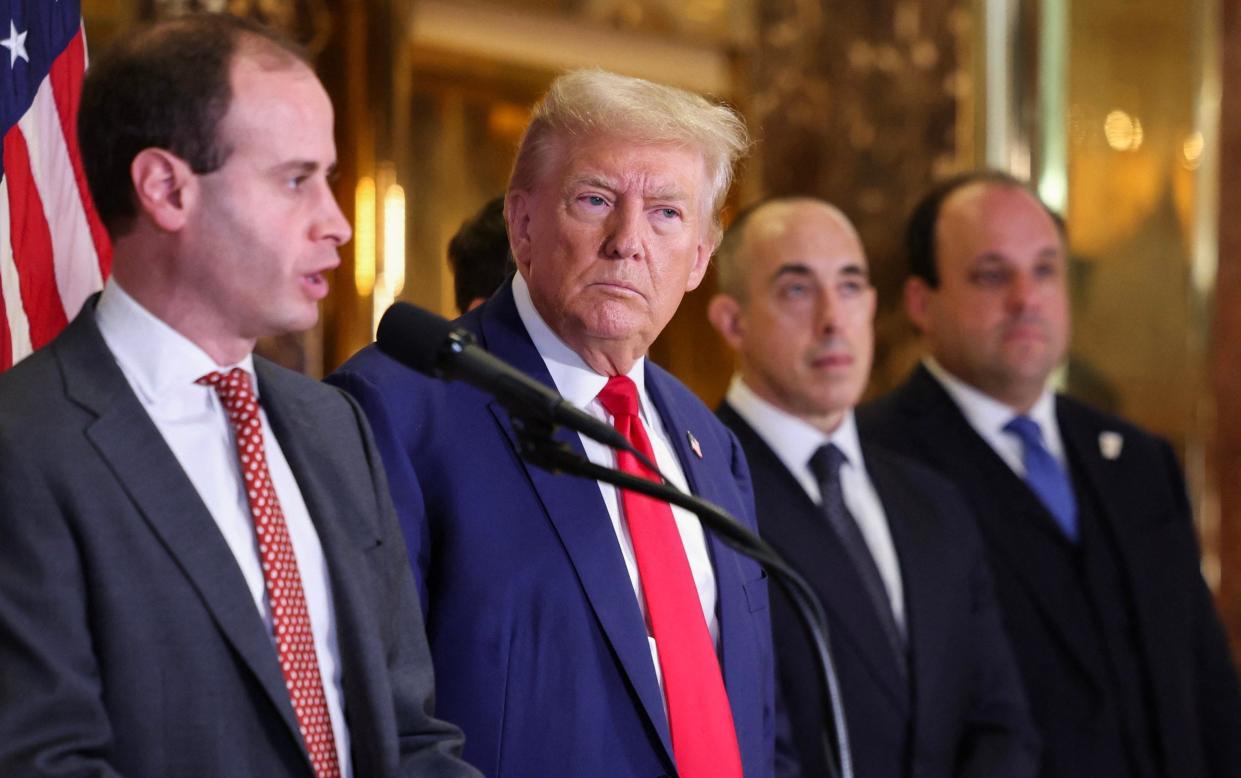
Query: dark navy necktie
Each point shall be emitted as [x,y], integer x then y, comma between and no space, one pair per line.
[1045,475]
[825,464]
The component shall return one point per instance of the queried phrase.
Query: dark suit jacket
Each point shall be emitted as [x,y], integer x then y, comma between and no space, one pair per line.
[129,642]
[1142,502]
[961,712]
[540,650]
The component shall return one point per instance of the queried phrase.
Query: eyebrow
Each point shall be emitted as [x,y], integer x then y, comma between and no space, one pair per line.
[853,269]
[666,193]
[598,182]
[302,166]
[790,269]
[995,256]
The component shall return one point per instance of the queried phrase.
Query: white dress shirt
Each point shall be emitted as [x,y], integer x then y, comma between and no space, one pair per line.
[794,442]
[988,416]
[161,366]
[580,385]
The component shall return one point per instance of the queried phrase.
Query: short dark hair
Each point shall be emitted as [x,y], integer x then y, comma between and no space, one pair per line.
[920,230]
[730,279]
[166,86]
[479,254]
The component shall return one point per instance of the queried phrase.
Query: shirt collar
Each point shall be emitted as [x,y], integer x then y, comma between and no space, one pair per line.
[983,411]
[793,440]
[157,360]
[576,381]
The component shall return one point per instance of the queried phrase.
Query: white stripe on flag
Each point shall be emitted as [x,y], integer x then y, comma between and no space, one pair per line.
[73,250]
[19,328]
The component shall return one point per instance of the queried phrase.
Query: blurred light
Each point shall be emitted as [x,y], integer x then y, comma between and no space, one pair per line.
[1053,189]
[1123,132]
[1192,149]
[394,239]
[507,120]
[364,236]
[380,302]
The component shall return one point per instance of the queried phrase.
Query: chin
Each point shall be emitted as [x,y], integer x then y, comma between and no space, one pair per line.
[608,322]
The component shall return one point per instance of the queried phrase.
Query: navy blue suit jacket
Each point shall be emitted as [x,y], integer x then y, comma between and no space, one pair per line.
[958,708]
[541,654]
[1143,505]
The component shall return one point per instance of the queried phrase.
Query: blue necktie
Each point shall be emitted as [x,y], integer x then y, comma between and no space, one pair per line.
[1045,475]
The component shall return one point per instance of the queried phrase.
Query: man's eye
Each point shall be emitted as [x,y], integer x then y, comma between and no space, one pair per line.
[989,277]
[594,201]
[669,213]
[1049,270]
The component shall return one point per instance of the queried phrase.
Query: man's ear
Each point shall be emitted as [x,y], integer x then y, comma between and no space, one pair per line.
[726,314]
[918,302]
[164,186]
[702,260]
[517,208]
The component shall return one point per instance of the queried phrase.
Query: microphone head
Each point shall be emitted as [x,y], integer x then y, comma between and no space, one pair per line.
[414,337]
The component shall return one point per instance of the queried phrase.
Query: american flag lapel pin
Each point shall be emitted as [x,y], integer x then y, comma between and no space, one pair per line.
[693,444]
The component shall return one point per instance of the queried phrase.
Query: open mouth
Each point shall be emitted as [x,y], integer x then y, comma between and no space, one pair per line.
[315,285]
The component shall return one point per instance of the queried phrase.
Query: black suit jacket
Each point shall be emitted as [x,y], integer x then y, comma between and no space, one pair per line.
[960,711]
[1136,483]
[129,642]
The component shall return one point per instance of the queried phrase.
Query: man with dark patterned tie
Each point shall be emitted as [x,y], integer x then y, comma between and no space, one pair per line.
[929,685]
[201,574]
[1084,515]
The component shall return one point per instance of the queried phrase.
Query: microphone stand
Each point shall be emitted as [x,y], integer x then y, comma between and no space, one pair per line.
[538,446]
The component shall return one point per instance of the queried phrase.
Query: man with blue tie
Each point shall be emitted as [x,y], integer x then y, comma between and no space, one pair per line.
[579,630]
[1084,515]
[928,681]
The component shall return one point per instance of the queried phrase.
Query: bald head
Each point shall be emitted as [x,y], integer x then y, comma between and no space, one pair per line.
[796,304]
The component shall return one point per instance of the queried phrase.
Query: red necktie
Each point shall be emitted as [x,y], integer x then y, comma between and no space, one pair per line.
[704,740]
[295,643]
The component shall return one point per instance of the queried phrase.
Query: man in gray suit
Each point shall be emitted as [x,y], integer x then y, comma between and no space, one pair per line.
[201,576]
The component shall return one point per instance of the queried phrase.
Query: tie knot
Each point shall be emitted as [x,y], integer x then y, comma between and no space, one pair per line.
[619,396]
[234,389]
[826,461]
[1027,429]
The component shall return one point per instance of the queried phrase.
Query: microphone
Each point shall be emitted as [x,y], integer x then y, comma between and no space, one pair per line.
[431,345]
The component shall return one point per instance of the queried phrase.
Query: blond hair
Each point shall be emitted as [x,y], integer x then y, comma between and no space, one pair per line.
[595,102]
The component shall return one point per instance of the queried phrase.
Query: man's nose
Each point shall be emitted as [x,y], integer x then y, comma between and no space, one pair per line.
[331,223]
[624,232]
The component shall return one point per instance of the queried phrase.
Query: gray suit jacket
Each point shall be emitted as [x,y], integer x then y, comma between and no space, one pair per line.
[129,643]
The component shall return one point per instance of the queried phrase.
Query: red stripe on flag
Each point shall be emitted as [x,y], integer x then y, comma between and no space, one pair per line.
[6,337]
[66,81]
[32,245]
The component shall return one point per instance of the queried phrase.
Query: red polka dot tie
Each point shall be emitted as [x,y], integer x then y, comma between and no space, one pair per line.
[295,643]
[700,719]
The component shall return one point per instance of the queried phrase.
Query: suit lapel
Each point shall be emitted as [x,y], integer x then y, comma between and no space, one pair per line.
[732,605]
[132,446]
[325,483]
[802,536]
[576,510]
[1010,517]
[1110,483]
[915,540]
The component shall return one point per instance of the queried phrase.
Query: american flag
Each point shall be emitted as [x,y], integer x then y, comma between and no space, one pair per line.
[53,250]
